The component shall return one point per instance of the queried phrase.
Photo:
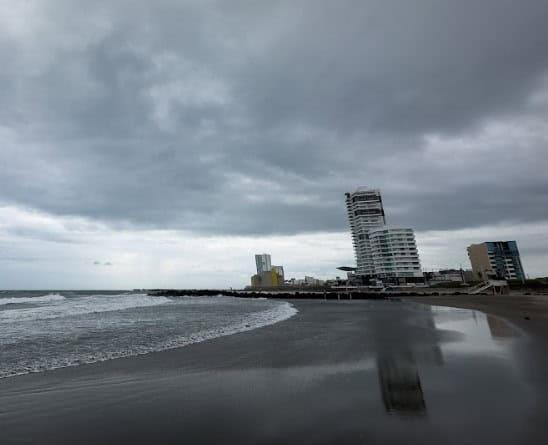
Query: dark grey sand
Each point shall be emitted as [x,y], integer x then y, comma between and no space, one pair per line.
[337,372]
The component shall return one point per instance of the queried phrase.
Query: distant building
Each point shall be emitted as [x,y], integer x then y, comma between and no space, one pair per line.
[394,255]
[449,276]
[263,263]
[268,278]
[382,252]
[267,274]
[279,270]
[307,281]
[311,281]
[496,259]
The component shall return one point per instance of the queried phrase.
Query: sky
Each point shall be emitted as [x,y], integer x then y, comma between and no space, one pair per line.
[163,144]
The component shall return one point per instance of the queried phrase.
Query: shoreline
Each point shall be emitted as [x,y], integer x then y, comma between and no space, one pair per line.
[315,377]
[528,313]
[251,322]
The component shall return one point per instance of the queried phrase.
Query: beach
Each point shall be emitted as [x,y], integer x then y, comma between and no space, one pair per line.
[336,372]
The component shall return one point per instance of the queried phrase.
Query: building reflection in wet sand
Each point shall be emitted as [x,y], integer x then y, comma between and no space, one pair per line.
[499,328]
[399,378]
[400,385]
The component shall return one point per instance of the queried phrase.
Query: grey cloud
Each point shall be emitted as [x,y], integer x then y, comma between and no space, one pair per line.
[34,233]
[413,67]
[254,117]
[18,259]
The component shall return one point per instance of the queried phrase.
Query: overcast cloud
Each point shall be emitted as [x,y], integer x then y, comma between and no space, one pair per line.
[240,124]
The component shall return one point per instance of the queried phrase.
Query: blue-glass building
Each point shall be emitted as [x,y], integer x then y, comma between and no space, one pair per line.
[496,259]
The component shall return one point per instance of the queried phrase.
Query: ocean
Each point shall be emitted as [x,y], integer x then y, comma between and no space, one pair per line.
[41,331]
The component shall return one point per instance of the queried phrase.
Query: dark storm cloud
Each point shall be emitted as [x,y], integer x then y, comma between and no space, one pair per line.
[255,117]
[408,67]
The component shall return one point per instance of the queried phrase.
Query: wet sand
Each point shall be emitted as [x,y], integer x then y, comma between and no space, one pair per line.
[528,312]
[337,372]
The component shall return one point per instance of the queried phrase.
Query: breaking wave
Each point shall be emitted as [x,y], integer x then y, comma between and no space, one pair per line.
[66,307]
[22,300]
[37,342]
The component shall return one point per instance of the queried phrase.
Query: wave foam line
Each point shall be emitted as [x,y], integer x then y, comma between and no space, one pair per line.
[21,300]
[80,306]
[246,323]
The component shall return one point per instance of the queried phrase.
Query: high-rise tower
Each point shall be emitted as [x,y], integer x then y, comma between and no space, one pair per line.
[365,212]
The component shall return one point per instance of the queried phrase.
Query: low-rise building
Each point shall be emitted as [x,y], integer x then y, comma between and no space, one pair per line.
[267,274]
[306,281]
[445,276]
[269,278]
[311,281]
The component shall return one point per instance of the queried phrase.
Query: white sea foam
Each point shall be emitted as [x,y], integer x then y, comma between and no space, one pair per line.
[60,306]
[37,300]
[246,322]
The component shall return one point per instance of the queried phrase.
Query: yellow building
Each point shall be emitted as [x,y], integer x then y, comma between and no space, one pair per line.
[269,278]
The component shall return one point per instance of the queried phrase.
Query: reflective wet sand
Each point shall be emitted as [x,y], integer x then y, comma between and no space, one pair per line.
[337,372]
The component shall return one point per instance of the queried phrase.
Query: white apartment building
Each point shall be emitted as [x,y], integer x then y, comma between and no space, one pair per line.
[394,254]
[263,263]
[382,252]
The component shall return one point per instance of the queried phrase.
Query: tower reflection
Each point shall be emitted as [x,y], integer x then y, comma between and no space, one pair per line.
[400,385]
[499,329]
[398,368]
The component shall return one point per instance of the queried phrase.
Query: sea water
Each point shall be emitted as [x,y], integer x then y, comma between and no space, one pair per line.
[41,331]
